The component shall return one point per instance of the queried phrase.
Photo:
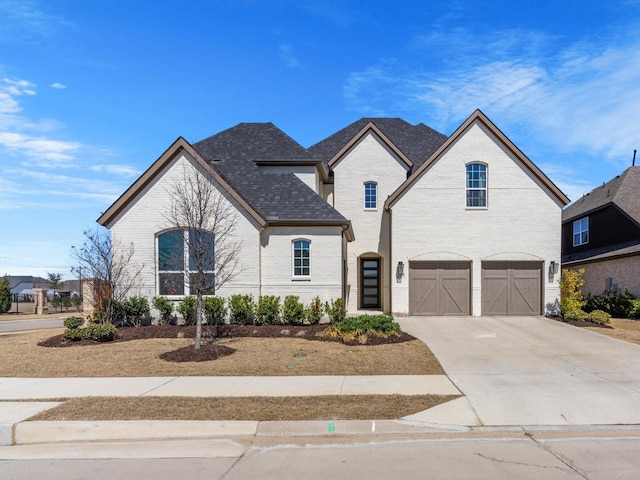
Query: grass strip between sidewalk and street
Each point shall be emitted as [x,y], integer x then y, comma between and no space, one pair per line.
[329,407]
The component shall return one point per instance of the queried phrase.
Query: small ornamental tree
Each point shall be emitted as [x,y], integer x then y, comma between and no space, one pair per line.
[571,284]
[5,295]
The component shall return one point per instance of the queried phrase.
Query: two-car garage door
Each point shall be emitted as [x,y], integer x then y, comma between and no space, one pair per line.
[444,288]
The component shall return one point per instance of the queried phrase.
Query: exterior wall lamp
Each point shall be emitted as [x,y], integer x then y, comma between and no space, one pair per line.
[554,267]
[400,270]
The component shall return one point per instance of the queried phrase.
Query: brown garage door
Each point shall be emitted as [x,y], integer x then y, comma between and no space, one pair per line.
[511,288]
[439,288]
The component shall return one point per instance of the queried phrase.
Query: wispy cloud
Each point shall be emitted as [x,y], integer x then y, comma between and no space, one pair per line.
[58,85]
[41,152]
[287,55]
[580,98]
[120,170]
[28,21]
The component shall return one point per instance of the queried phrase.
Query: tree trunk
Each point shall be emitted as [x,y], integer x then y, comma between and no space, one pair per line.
[198,320]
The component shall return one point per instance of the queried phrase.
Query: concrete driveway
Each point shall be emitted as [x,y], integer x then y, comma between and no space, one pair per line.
[534,371]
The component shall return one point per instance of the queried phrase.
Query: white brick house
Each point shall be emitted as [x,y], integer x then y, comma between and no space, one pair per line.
[393,217]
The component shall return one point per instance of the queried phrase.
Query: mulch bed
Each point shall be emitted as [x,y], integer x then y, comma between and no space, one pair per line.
[578,324]
[210,350]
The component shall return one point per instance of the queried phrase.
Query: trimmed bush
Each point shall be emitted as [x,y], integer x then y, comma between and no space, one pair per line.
[313,313]
[361,327]
[336,310]
[73,323]
[213,309]
[635,311]
[100,332]
[165,307]
[292,310]
[599,317]
[187,308]
[73,335]
[575,315]
[241,308]
[135,310]
[268,310]
[616,304]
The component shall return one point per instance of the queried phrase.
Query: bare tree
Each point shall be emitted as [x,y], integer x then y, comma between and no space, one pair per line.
[109,264]
[207,221]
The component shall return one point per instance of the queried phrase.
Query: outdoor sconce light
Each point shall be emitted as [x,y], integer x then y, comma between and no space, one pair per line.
[400,270]
[554,267]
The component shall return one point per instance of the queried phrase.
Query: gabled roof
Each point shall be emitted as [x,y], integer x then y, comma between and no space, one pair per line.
[271,199]
[479,117]
[15,280]
[623,191]
[412,143]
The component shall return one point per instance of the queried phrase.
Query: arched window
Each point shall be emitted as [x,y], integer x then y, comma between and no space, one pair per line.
[181,254]
[476,185]
[301,258]
[370,195]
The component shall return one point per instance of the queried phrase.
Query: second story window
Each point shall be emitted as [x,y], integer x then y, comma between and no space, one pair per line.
[476,185]
[581,231]
[370,195]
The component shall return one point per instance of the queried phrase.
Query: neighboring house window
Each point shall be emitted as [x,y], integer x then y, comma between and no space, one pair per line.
[179,251]
[370,195]
[581,231]
[476,185]
[301,258]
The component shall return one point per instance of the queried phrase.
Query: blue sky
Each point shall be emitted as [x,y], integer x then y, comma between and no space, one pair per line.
[92,92]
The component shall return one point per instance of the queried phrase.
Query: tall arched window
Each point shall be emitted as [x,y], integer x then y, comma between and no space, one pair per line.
[370,195]
[476,185]
[301,258]
[181,254]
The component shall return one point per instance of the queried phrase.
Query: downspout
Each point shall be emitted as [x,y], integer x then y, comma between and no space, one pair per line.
[390,264]
[260,262]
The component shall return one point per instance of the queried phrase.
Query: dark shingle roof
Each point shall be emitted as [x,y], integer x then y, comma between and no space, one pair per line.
[623,191]
[276,196]
[417,142]
[252,141]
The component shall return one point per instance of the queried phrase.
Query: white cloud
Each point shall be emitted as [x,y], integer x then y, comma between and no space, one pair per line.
[58,85]
[121,170]
[288,56]
[42,152]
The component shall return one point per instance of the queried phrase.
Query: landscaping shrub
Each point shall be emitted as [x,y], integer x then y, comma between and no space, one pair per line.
[268,310]
[73,323]
[599,317]
[575,315]
[213,309]
[360,327]
[100,332]
[5,295]
[635,310]
[187,308]
[241,308]
[336,310]
[313,313]
[292,310]
[616,304]
[135,310]
[73,334]
[165,307]
[571,284]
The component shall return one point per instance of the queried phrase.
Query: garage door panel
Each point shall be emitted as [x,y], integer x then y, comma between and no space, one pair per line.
[511,288]
[439,288]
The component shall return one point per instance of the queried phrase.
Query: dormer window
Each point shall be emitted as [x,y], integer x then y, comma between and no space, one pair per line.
[370,196]
[581,231]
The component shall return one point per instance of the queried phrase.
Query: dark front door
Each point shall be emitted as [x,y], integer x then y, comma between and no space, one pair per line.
[370,283]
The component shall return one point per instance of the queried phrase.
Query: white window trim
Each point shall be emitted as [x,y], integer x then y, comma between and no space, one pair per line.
[364,200]
[295,277]
[573,233]
[486,187]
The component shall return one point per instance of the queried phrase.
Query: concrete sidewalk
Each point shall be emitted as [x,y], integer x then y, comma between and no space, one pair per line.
[13,429]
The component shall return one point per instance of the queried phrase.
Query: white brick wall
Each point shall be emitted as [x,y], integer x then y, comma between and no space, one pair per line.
[326,263]
[368,160]
[431,221]
[143,219]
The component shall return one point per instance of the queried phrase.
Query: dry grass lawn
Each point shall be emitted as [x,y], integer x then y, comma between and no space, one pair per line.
[20,356]
[622,329]
[351,407]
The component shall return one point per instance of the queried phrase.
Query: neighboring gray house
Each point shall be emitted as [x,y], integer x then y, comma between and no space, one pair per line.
[23,285]
[601,233]
[391,216]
